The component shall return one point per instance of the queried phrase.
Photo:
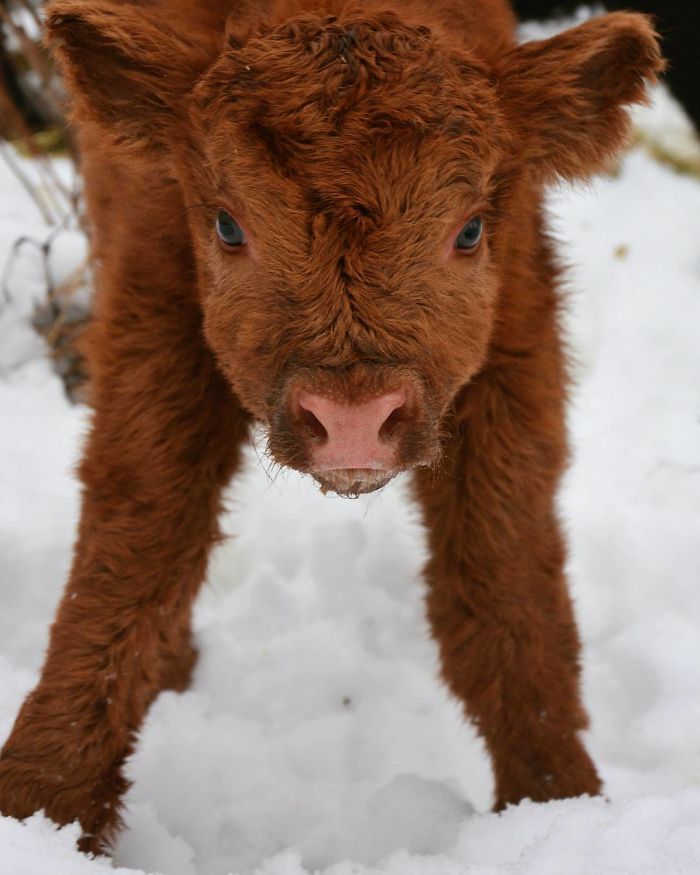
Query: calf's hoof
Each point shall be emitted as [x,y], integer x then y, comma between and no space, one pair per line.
[64,798]
[574,777]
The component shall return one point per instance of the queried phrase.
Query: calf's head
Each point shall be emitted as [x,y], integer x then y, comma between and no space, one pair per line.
[351,183]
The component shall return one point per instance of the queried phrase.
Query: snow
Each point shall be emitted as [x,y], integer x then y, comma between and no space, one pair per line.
[316,736]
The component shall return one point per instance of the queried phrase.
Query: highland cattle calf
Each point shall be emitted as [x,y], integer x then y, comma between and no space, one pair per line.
[326,218]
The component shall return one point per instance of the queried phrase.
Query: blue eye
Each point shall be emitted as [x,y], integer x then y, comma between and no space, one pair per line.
[228,229]
[470,235]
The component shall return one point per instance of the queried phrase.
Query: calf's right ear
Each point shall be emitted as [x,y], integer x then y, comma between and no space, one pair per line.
[567,96]
[123,66]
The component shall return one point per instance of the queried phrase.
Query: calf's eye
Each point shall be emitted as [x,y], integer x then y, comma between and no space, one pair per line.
[228,229]
[470,235]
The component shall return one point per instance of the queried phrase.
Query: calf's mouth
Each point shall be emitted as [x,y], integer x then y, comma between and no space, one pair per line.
[352,482]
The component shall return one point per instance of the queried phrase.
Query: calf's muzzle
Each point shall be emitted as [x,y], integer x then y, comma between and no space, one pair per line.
[353,431]
[356,436]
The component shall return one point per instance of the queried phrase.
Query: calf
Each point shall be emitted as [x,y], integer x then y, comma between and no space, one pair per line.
[326,219]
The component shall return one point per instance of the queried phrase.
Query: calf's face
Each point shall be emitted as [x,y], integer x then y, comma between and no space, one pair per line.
[346,277]
[349,188]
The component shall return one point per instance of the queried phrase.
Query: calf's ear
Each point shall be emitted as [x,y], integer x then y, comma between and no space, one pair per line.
[124,67]
[567,96]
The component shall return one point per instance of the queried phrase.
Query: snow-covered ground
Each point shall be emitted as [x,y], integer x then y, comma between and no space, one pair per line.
[316,736]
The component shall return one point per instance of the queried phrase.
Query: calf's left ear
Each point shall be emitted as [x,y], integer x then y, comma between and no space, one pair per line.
[566,97]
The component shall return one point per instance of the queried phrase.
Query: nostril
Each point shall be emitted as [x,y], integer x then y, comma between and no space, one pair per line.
[393,422]
[313,424]
[398,414]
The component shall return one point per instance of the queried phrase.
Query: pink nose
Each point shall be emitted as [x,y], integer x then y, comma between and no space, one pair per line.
[353,436]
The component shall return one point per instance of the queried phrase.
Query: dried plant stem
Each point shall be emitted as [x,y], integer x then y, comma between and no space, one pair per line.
[9,158]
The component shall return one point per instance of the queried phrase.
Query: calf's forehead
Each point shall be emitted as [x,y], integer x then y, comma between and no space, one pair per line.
[380,177]
[327,103]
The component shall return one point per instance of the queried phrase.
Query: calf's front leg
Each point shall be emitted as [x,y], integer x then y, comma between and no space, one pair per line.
[497,597]
[165,440]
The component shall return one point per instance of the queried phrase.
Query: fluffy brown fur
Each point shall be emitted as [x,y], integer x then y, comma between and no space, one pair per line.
[351,141]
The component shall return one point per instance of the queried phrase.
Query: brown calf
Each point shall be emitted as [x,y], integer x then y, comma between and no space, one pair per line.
[326,218]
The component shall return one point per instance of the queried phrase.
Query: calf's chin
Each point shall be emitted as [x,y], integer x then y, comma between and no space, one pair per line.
[353,482]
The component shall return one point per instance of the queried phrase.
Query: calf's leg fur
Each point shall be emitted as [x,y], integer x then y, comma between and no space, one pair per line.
[165,439]
[497,597]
